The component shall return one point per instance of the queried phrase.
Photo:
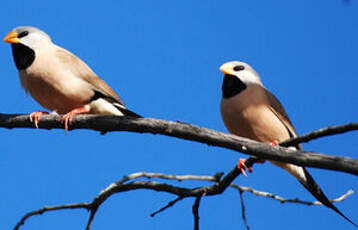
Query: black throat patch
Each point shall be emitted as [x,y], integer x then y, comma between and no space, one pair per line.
[23,55]
[232,86]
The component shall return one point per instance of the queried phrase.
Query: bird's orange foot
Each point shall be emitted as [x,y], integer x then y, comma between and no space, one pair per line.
[242,166]
[67,118]
[34,117]
[274,143]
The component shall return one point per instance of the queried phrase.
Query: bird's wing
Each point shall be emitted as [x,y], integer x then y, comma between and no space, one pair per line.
[308,182]
[83,71]
[277,108]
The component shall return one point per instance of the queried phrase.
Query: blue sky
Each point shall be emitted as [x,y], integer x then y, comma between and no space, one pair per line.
[162,57]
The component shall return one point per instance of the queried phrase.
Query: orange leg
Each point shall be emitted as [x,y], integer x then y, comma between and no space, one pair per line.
[34,117]
[67,118]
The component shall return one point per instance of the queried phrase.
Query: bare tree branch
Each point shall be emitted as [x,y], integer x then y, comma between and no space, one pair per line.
[193,133]
[181,192]
[217,177]
[118,187]
[240,188]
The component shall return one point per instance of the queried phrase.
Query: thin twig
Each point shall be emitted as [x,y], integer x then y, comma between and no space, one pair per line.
[52,208]
[196,212]
[285,200]
[323,132]
[170,204]
[91,217]
[243,210]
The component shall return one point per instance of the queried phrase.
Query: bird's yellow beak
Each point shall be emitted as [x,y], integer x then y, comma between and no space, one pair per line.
[12,37]
[227,68]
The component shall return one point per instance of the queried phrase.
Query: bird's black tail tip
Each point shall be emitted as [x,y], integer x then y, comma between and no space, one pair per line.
[125,111]
[129,113]
[317,192]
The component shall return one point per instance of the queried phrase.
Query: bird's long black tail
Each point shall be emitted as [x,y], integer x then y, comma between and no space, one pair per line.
[317,192]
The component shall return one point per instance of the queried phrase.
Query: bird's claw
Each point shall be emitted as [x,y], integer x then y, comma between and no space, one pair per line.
[67,118]
[274,143]
[242,166]
[34,117]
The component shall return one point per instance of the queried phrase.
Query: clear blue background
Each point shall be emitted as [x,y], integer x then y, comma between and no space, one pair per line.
[163,59]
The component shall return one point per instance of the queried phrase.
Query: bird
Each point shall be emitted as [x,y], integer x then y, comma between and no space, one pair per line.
[249,110]
[58,80]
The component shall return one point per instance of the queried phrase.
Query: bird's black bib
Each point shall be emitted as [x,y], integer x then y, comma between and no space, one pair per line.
[23,56]
[232,86]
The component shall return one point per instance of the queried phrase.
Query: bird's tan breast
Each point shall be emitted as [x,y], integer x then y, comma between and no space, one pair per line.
[52,85]
[249,115]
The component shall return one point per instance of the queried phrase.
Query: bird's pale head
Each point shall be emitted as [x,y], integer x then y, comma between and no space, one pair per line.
[237,77]
[25,42]
[29,36]
[243,71]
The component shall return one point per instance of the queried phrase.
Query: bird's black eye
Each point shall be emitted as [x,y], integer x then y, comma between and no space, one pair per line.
[239,68]
[23,34]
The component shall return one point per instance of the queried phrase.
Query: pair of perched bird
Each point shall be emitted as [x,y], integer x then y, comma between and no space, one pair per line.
[62,82]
